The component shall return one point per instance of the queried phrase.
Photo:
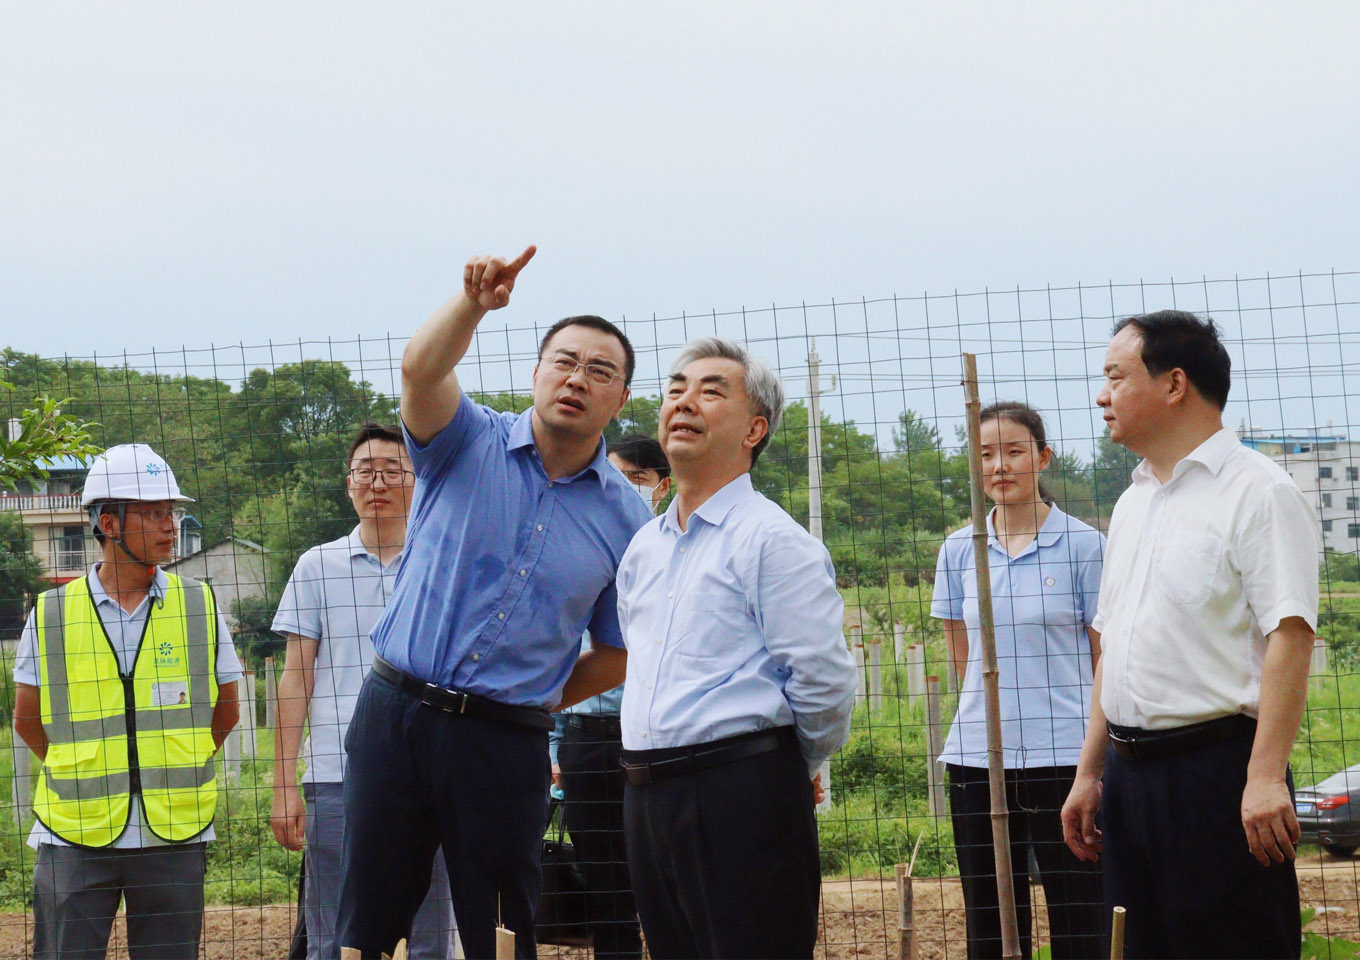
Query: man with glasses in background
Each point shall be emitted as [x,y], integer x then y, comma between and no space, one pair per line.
[517,527]
[334,597]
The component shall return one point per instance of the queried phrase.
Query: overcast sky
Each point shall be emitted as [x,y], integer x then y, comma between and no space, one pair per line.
[191,174]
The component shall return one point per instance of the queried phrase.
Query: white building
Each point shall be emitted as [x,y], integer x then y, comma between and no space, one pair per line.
[1326,466]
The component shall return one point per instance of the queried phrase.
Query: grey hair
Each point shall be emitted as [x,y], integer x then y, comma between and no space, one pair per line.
[762,384]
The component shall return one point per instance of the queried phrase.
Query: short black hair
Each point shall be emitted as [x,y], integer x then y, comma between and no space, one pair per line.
[1178,339]
[594,323]
[373,430]
[643,452]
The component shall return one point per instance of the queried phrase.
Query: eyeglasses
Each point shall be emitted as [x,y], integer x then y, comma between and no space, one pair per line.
[392,476]
[156,513]
[595,372]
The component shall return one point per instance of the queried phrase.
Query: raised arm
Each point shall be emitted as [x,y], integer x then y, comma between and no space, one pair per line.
[429,386]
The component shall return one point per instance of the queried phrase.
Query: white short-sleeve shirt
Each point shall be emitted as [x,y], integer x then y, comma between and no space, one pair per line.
[335,595]
[125,632]
[1042,602]
[1199,570]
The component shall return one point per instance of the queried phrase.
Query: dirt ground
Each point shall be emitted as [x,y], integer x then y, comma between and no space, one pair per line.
[859,919]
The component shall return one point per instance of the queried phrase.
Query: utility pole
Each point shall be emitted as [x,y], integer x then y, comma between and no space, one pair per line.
[815,391]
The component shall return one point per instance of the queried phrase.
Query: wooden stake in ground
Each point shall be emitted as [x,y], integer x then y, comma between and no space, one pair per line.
[1117,934]
[505,944]
[1001,838]
[934,747]
[906,916]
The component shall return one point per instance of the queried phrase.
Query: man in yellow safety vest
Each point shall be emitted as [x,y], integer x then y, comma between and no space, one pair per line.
[126,687]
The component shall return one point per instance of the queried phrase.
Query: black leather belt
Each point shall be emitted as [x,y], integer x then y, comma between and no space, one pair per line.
[1136,744]
[642,767]
[595,724]
[460,702]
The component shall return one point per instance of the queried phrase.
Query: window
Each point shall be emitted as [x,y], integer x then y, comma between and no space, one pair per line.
[1327,501]
[1353,474]
[1324,473]
[1353,531]
[68,547]
[1326,526]
[1353,504]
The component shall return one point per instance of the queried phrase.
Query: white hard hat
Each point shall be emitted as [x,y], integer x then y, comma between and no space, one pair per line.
[130,471]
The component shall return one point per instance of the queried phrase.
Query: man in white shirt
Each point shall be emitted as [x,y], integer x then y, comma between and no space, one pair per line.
[1208,605]
[335,595]
[739,681]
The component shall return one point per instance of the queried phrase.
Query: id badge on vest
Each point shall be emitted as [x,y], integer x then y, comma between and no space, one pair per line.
[170,694]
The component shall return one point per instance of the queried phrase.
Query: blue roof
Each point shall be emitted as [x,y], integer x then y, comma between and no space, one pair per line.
[66,464]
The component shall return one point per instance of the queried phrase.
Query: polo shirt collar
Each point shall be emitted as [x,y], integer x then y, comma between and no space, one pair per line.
[522,435]
[715,509]
[159,584]
[1054,526]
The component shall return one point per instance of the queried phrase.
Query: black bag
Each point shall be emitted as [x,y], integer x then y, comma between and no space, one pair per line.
[562,916]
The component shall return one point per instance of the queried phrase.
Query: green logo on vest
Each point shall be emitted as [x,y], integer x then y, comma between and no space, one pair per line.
[166,656]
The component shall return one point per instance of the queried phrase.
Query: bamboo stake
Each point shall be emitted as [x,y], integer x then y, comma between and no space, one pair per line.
[1117,934]
[1000,814]
[934,747]
[906,920]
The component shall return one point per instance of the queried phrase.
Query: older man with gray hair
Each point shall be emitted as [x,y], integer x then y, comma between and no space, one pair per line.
[739,681]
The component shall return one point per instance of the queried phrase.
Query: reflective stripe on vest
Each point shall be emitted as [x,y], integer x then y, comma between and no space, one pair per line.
[100,752]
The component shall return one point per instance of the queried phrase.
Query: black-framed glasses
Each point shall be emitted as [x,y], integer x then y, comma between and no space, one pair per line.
[595,372]
[392,476]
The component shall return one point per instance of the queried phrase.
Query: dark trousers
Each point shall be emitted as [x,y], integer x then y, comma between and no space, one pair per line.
[1072,889]
[725,861]
[418,778]
[1176,858]
[593,784]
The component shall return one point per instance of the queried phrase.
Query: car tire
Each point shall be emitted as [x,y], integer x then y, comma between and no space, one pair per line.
[1342,850]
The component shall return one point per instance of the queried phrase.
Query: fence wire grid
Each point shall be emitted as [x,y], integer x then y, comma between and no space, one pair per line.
[257,434]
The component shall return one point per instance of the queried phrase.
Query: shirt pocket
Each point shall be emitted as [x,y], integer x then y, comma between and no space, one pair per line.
[713,630]
[1188,566]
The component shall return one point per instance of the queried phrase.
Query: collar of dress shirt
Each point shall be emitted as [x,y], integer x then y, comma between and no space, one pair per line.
[1055,525]
[714,510]
[522,435]
[1211,454]
[159,583]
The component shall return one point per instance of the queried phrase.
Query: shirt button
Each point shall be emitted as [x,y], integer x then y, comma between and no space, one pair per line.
[476,657]
[521,573]
[649,686]
[659,641]
[644,736]
[670,593]
[682,549]
[550,483]
[540,528]
[500,616]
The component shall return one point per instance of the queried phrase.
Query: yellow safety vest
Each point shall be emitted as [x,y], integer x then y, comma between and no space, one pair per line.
[109,735]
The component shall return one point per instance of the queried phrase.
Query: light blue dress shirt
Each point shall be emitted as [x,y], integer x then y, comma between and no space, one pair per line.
[1042,602]
[504,569]
[732,626]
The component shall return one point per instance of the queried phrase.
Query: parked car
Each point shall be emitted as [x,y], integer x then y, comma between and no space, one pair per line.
[1329,813]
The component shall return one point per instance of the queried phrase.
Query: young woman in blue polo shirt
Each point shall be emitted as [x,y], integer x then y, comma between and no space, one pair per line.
[1045,568]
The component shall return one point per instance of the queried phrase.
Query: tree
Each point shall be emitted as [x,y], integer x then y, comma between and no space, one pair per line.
[21,573]
[254,638]
[1110,473]
[913,434]
[45,433]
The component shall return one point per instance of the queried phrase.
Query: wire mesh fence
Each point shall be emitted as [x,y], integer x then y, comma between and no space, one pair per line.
[870,454]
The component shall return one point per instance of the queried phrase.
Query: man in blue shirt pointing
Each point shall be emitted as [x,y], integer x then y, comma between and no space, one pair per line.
[516,529]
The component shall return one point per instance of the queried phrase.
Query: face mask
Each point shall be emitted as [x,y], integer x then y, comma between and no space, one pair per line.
[643,491]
